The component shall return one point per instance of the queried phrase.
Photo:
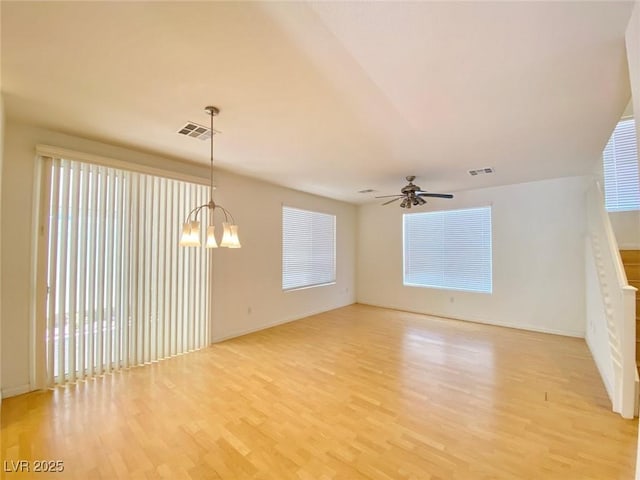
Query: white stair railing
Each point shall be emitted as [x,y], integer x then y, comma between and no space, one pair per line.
[614,326]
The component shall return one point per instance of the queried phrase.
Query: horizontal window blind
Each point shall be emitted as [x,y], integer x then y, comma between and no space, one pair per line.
[121,293]
[621,176]
[308,248]
[449,249]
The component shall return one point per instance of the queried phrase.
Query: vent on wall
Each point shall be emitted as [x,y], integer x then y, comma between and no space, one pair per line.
[194,130]
[481,171]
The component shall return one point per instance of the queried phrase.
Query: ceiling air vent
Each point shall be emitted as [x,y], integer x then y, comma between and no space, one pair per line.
[481,171]
[194,130]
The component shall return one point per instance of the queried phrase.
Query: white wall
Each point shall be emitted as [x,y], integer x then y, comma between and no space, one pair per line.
[538,258]
[248,282]
[632,40]
[1,170]
[243,279]
[626,227]
[629,224]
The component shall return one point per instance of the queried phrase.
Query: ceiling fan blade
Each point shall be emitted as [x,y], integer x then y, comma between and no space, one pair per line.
[391,201]
[387,196]
[435,195]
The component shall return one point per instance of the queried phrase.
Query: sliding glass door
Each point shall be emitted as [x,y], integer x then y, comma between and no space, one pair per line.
[120,292]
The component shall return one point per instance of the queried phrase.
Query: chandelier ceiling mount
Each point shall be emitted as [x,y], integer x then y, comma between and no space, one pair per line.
[191,228]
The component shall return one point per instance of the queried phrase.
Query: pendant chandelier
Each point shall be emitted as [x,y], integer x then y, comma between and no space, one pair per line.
[191,228]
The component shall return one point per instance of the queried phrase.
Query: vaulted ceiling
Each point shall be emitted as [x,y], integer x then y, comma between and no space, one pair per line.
[330,97]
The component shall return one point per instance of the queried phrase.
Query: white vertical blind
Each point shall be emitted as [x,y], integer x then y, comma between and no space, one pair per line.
[118,282]
[621,175]
[308,248]
[449,249]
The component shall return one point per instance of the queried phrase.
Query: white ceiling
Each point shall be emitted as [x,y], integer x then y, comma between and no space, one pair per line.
[330,97]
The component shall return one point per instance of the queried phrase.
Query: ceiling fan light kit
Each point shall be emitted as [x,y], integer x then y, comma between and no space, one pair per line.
[191,228]
[412,195]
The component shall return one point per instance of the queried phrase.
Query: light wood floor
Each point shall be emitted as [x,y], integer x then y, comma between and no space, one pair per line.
[356,393]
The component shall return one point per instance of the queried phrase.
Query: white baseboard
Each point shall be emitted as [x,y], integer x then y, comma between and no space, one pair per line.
[13,391]
[517,326]
[239,333]
[629,246]
[533,328]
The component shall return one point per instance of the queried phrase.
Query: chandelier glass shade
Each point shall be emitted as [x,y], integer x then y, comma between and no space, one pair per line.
[191,236]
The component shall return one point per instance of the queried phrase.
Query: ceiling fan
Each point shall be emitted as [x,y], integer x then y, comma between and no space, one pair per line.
[413,195]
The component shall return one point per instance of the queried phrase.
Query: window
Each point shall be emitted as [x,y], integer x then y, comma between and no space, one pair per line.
[620,159]
[308,248]
[121,292]
[449,249]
